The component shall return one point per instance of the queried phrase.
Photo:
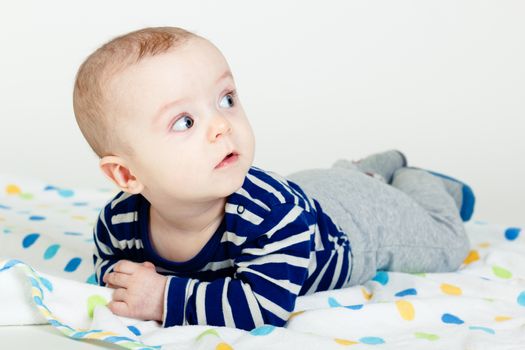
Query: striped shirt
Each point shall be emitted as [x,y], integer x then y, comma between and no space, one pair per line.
[274,243]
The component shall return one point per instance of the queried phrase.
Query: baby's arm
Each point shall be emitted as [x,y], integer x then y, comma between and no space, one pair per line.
[270,273]
[139,289]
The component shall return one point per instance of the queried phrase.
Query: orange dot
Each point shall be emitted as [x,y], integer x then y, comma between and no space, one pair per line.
[223,346]
[450,289]
[471,257]
[366,294]
[293,314]
[345,342]
[13,189]
[502,318]
[406,309]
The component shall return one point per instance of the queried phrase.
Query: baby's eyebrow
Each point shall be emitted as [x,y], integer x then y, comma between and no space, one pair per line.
[160,112]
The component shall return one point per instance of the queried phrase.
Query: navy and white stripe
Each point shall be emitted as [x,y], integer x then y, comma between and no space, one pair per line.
[274,244]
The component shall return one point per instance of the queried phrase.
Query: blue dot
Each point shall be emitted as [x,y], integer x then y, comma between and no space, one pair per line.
[6,230]
[333,303]
[134,330]
[50,188]
[37,300]
[66,193]
[47,284]
[80,204]
[51,251]
[521,298]
[30,239]
[92,279]
[381,277]
[512,233]
[9,264]
[37,218]
[371,340]
[449,318]
[355,307]
[4,207]
[484,329]
[69,233]
[262,330]
[72,265]
[410,291]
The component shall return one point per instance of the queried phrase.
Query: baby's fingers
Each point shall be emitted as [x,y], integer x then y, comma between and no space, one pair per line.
[126,266]
[119,294]
[119,308]
[117,279]
[148,265]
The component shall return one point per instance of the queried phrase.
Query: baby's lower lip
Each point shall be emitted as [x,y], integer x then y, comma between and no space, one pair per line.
[227,161]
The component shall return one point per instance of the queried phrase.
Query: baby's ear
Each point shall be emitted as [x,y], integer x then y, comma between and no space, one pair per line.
[116,170]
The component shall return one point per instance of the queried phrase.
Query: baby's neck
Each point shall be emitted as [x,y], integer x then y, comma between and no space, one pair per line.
[188,219]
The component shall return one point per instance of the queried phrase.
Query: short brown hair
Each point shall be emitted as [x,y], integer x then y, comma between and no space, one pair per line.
[89,100]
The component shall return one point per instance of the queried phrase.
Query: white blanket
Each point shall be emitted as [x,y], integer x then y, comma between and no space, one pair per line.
[45,275]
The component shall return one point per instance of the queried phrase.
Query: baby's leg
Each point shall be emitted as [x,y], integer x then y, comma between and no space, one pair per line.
[411,226]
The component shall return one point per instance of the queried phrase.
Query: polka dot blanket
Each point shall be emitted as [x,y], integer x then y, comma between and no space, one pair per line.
[46,276]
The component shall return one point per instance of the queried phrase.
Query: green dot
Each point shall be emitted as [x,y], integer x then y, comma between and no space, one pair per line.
[419,274]
[26,196]
[209,331]
[427,336]
[93,301]
[501,272]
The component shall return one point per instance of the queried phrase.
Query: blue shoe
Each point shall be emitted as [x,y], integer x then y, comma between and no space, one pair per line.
[468,199]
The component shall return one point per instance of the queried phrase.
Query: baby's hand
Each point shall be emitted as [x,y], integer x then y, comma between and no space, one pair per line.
[139,290]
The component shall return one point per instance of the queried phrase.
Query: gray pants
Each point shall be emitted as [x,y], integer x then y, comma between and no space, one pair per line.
[410,225]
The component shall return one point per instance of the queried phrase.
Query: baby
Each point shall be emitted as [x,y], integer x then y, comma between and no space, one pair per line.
[198,235]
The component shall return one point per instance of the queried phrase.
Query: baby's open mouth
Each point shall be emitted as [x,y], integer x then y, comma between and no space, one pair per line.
[229,159]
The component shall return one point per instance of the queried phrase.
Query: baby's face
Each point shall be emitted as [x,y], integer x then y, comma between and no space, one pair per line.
[179,113]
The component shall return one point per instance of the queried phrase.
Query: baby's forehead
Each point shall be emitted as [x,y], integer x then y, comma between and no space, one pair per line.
[196,54]
[178,73]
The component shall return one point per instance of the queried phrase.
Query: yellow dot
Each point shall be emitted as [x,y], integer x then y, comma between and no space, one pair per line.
[450,289]
[366,295]
[223,346]
[79,217]
[502,318]
[13,189]
[484,245]
[345,342]
[406,310]
[471,257]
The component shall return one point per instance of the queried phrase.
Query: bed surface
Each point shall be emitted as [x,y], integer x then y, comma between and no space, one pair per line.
[47,279]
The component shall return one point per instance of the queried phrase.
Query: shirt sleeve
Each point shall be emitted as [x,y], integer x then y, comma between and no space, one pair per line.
[269,274]
[105,256]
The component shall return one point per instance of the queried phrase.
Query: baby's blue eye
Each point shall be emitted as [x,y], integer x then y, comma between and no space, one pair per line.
[230,96]
[183,123]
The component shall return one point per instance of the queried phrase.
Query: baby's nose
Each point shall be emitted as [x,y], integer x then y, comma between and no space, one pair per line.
[219,126]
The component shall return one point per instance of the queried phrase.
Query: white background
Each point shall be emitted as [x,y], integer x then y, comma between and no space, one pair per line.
[443,81]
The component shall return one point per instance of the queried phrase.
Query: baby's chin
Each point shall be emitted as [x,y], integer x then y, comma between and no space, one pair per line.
[234,181]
